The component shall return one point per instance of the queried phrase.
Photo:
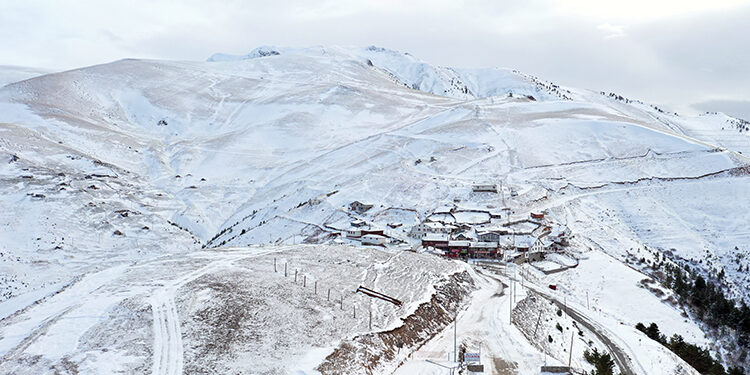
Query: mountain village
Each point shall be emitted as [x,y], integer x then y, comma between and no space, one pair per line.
[469,232]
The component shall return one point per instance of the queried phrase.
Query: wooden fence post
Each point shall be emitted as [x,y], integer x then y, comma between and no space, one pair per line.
[316,288]
[304,281]
[329,294]
[285,269]
[295,276]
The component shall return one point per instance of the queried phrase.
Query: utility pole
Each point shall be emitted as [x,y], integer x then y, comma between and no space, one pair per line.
[570,355]
[510,304]
[502,194]
[538,320]
[515,284]
[455,330]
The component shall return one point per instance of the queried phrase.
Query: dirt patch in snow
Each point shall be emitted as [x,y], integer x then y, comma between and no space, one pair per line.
[503,367]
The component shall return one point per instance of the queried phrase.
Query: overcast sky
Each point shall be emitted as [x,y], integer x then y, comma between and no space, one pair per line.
[682,54]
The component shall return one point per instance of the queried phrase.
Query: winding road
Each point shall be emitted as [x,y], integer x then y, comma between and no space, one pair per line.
[619,355]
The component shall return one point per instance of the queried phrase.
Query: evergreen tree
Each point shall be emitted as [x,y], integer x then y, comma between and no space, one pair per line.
[603,362]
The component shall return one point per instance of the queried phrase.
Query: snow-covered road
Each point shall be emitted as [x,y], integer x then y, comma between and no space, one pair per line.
[485,327]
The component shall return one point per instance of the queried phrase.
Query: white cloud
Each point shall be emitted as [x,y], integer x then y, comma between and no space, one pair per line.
[611,31]
[636,11]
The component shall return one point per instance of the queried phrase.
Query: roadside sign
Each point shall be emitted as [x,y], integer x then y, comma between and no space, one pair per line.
[471,357]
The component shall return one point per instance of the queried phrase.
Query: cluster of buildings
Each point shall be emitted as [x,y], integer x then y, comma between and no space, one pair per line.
[361,231]
[522,236]
[470,233]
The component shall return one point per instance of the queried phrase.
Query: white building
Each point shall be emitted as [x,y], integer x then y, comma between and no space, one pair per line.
[374,239]
[492,235]
[422,229]
[538,246]
[358,223]
[436,237]
[559,234]
[525,243]
[353,233]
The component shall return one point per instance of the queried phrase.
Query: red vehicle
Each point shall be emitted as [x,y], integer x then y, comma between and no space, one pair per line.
[553,286]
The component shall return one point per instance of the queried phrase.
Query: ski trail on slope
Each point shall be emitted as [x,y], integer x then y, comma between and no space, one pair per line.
[167,348]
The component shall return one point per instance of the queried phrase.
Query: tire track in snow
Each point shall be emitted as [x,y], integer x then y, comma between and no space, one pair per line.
[168,355]
[167,348]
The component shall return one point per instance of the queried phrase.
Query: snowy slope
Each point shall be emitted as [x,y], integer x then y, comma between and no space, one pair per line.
[224,311]
[129,161]
[10,74]
[414,73]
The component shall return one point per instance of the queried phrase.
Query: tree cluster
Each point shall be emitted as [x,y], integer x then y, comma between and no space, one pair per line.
[697,357]
[709,303]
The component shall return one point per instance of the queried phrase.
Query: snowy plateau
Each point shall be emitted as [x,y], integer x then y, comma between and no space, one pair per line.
[172,217]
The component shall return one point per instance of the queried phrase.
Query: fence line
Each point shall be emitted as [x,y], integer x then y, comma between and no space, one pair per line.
[298,273]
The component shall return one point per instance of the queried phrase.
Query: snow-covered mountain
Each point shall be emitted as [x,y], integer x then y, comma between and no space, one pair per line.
[116,165]
[10,74]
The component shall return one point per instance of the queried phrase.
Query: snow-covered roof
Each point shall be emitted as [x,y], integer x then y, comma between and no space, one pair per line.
[559,230]
[503,230]
[432,224]
[483,244]
[435,237]
[362,203]
[443,210]
[505,240]
[467,234]
[525,241]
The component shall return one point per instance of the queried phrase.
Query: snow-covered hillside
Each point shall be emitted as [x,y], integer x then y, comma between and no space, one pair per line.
[10,74]
[122,163]
[220,311]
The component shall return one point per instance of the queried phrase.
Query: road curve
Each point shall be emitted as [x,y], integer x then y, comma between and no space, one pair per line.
[620,357]
[618,354]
